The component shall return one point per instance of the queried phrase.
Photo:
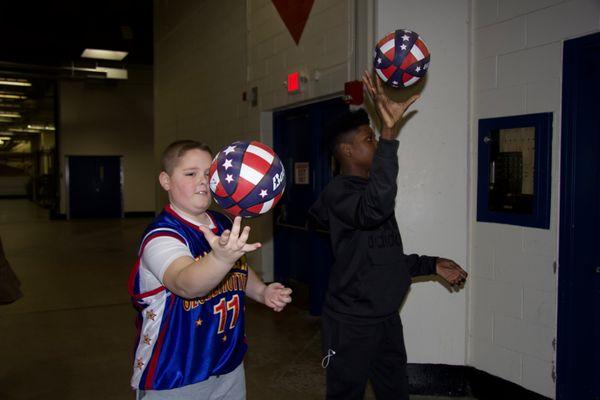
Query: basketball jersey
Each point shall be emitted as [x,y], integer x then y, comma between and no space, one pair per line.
[184,341]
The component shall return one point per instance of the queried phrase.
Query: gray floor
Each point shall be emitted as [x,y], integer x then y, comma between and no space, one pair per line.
[71,335]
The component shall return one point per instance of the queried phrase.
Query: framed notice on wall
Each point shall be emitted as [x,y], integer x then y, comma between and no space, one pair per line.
[513,183]
[301,173]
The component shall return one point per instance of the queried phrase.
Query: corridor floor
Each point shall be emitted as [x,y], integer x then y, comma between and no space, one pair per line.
[71,335]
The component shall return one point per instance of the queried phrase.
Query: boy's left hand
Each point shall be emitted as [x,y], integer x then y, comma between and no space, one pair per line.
[277,296]
[450,271]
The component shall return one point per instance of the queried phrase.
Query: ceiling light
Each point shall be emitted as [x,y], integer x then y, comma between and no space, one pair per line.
[113,73]
[104,54]
[42,127]
[14,82]
[23,130]
[5,137]
[10,114]
[12,96]
[6,120]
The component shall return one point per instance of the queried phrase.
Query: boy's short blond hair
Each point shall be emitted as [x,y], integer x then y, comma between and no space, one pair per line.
[177,149]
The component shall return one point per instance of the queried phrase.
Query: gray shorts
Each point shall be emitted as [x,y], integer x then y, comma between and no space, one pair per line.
[231,386]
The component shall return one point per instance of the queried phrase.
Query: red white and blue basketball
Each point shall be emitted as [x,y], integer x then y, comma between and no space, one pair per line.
[401,58]
[247,179]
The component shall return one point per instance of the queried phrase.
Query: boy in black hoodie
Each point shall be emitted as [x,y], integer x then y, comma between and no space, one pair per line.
[362,331]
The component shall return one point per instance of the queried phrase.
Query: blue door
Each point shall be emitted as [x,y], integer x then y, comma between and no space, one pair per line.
[303,254]
[578,342]
[95,187]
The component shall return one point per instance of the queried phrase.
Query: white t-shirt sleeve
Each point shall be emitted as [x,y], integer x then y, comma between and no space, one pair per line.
[160,252]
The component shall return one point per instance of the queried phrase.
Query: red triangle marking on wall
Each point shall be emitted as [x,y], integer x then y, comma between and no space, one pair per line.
[294,14]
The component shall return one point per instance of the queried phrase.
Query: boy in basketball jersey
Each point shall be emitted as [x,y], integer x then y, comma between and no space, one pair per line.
[189,286]
[362,332]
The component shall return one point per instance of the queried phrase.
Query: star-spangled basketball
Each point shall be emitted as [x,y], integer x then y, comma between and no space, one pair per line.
[247,178]
[401,58]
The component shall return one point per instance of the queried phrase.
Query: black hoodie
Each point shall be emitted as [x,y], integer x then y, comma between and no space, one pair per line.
[371,274]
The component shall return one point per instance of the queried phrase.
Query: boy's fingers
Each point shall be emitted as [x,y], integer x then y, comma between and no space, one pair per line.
[411,100]
[244,236]
[251,247]
[235,229]
[208,234]
[224,239]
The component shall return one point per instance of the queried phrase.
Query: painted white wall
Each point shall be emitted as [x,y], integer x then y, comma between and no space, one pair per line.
[432,200]
[111,118]
[517,56]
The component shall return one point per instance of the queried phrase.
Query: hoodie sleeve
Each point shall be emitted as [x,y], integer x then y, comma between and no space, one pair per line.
[366,207]
[421,265]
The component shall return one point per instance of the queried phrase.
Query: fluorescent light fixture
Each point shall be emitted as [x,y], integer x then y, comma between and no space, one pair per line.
[113,73]
[42,127]
[14,82]
[10,114]
[12,96]
[104,54]
[5,138]
[23,130]
[6,120]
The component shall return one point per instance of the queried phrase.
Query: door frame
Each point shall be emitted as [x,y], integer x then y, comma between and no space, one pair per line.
[68,181]
[569,325]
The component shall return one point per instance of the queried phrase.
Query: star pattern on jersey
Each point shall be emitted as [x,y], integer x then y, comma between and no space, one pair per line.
[147,340]
[227,164]
[139,363]
[150,314]
[198,322]
[229,149]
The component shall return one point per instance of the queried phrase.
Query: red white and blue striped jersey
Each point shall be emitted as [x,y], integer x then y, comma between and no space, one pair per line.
[185,341]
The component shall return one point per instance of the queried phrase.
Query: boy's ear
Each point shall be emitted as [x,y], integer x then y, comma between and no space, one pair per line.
[345,150]
[164,180]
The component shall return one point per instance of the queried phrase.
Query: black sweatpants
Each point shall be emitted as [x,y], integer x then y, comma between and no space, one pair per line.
[365,352]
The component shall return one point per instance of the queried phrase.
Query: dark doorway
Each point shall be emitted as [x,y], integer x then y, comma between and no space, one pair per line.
[303,254]
[94,184]
[578,352]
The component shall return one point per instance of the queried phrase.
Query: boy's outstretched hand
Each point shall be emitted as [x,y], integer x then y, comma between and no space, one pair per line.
[389,111]
[231,245]
[450,271]
[277,296]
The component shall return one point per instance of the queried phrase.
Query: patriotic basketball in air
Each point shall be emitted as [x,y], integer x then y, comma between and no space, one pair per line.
[401,58]
[247,179]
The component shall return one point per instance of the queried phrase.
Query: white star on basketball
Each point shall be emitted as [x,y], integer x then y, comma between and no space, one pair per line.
[379,60]
[418,69]
[405,38]
[229,178]
[229,150]
[227,164]
[394,82]
[263,193]
[403,47]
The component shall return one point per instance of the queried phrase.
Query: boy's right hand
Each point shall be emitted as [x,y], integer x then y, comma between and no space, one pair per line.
[231,245]
[390,112]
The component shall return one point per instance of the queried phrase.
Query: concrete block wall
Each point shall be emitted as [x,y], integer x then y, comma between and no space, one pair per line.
[517,58]
[208,53]
[323,54]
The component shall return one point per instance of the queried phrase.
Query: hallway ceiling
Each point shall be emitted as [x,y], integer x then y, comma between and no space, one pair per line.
[54,33]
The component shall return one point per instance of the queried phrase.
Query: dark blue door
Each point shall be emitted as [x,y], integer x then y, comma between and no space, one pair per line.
[95,187]
[578,357]
[303,254]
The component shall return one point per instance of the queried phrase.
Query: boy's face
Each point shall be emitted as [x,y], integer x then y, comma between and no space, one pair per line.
[188,182]
[363,147]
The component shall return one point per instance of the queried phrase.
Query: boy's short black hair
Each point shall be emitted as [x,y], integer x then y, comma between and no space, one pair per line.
[178,149]
[344,123]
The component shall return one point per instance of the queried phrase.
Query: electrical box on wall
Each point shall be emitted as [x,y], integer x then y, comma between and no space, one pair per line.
[513,183]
